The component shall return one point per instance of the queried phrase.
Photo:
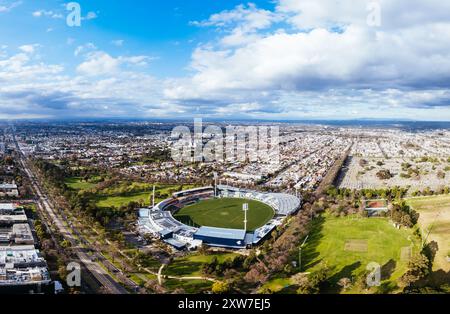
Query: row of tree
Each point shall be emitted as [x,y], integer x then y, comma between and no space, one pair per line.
[384,193]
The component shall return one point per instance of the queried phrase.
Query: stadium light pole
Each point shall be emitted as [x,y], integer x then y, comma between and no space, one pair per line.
[153,197]
[245,209]
[215,184]
[300,253]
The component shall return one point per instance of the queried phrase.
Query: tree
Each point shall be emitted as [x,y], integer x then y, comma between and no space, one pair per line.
[314,282]
[303,283]
[153,285]
[221,287]
[65,244]
[418,268]
[62,272]
[255,275]
[345,283]
[384,174]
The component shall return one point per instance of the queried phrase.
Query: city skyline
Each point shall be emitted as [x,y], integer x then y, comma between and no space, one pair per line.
[268,60]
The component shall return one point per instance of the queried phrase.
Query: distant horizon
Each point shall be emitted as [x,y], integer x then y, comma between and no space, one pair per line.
[411,125]
[82,119]
[216,119]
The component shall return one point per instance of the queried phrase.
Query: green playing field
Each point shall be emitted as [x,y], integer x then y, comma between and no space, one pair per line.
[226,213]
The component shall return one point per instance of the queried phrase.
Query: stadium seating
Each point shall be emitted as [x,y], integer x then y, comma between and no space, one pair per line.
[160,221]
[283,204]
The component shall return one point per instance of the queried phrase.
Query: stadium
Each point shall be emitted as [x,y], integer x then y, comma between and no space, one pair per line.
[215,216]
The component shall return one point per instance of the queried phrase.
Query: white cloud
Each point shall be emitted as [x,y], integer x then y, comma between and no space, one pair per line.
[322,46]
[240,24]
[118,42]
[299,60]
[8,7]
[99,63]
[394,13]
[249,18]
[84,48]
[30,49]
[37,13]
[91,16]
[18,69]
[38,90]
[48,13]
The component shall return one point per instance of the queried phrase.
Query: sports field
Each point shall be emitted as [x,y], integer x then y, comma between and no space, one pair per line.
[347,245]
[434,221]
[226,213]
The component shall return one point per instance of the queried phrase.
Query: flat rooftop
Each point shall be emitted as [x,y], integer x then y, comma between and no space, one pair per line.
[11,219]
[233,234]
[7,206]
[8,186]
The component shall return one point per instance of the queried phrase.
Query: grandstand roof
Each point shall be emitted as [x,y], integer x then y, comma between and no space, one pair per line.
[177,244]
[192,191]
[143,212]
[233,234]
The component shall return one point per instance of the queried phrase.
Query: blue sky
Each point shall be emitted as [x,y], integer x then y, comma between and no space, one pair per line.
[280,59]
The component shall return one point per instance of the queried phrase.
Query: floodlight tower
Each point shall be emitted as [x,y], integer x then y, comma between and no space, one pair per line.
[153,197]
[245,209]
[300,253]
[215,184]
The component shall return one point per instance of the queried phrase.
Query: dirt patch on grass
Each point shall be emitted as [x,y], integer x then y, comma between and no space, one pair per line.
[356,246]
[406,253]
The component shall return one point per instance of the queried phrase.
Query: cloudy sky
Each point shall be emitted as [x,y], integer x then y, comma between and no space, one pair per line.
[274,59]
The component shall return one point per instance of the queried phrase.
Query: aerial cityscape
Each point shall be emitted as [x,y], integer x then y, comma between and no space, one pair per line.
[287,147]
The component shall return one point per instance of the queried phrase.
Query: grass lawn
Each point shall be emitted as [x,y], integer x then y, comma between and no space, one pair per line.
[189,286]
[435,220]
[124,193]
[79,184]
[142,278]
[191,265]
[114,197]
[277,284]
[226,213]
[123,200]
[347,245]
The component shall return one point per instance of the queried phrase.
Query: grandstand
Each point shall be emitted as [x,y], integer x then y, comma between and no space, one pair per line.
[160,222]
[283,204]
